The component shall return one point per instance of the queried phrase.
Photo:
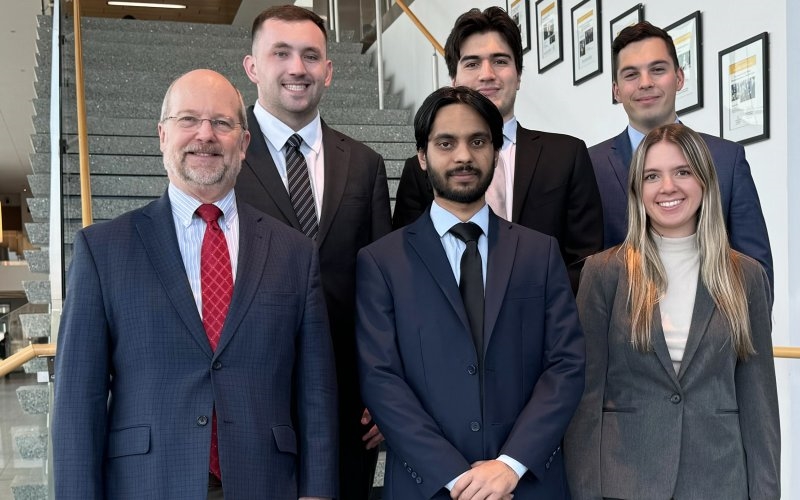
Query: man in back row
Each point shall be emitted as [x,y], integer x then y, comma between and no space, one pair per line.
[646,78]
[321,182]
[543,181]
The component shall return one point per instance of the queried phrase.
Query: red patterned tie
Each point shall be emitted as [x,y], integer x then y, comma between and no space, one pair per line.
[216,283]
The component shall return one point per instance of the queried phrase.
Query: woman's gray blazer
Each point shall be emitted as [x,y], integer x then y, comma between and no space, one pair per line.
[643,432]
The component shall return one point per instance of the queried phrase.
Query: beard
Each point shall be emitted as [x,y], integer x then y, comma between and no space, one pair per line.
[464,194]
[175,162]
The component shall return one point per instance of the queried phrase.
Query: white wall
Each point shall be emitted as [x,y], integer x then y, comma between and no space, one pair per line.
[550,102]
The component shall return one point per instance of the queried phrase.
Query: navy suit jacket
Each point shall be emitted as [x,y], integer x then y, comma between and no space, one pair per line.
[741,207]
[419,367]
[355,212]
[554,193]
[136,380]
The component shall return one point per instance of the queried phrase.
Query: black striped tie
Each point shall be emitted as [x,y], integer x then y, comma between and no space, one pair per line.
[300,187]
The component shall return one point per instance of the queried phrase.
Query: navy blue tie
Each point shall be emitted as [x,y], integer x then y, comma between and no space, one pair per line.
[471,284]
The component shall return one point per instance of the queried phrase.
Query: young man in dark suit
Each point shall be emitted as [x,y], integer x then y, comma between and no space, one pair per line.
[646,79]
[543,181]
[319,181]
[470,351]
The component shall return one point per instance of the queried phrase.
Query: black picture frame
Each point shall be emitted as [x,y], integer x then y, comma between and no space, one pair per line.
[687,35]
[587,36]
[744,90]
[549,34]
[628,18]
[520,12]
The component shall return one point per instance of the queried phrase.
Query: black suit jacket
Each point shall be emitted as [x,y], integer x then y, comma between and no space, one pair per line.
[355,212]
[554,193]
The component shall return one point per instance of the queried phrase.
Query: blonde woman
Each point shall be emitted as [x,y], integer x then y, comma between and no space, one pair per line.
[680,399]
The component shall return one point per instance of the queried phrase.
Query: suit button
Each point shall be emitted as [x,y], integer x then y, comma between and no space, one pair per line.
[547,466]
[474,426]
[405,464]
[472,370]
[202,420]
[217,365]
[675,399]
[419,479]
[409,470]
[414,474]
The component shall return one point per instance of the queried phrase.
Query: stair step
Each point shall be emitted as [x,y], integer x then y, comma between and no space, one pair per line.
[35,365]
[36,325]
[28,488]
[34,399]
[102,209]
[38,233]
[37,291]
[38,260]
[31,441]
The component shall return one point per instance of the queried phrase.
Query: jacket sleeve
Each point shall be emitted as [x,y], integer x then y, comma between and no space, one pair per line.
[583,438]
[757,395]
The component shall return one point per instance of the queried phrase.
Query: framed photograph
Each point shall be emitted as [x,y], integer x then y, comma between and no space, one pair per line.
[549,44]
[744,91]
[628,18]
[520,12]
[587,55]
[688,39]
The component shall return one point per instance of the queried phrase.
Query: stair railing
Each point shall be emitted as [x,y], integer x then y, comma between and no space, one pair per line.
[83,140]
[437,47]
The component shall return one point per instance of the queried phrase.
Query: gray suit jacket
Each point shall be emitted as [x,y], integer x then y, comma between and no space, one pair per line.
[641,431]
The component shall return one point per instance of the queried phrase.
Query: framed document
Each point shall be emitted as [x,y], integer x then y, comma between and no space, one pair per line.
[549,45]
[587,55]
[744,91]
[628,18]
[688,39]
[519,10]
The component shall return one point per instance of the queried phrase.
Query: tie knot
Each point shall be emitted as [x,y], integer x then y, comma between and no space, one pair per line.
[209,212]
[467,231]
[295,141]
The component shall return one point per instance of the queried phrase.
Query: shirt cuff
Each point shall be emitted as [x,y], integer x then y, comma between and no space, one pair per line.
[452,483]
[515,466]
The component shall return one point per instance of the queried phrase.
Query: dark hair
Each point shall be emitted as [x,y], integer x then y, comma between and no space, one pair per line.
[423,121]
[474,21]
[636,33]
[289,13]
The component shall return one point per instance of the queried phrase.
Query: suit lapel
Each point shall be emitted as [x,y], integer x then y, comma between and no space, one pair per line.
[337,164]
[526,160]
[502,251]
[660,346]
[254,243]
[157,230]
[259,160]
[701,317]
[620,157]
[424,239]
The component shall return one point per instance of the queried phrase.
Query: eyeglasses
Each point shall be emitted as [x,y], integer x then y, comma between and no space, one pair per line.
[189,122]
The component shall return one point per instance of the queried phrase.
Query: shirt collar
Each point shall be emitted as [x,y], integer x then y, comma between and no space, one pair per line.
[444,220]
[637,137]
[277,133]
[184,206]
[510,131]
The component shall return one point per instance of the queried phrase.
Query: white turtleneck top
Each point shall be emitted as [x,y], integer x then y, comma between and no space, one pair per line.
[681,260]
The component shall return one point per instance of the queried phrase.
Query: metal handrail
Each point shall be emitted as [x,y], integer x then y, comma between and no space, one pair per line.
[24,355]
[421,27]
[83,140]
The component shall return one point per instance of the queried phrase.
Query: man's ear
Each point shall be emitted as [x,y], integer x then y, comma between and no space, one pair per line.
[423,159]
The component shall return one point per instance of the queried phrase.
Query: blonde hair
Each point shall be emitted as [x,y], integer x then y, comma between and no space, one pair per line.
[720,267]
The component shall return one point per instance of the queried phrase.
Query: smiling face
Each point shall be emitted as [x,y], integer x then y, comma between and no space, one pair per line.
[646,84]
[460,158]
[487,65]
[289,66]
[203,163]
[671,193]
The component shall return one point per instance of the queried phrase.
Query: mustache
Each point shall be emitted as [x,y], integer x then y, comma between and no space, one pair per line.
[464,169]
[209,149]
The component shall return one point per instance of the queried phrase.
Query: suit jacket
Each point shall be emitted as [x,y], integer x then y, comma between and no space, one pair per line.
[554,193]
[741,207]
[136,380]
[641,431]
[355,212]
[419,367]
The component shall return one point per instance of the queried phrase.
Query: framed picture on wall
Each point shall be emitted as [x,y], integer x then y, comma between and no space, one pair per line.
[549,44]
[744,91]
[519,10]
[688,39]
[628,18]
[587,55]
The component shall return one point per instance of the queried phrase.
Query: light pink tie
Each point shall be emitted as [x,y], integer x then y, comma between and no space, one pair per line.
[216,284]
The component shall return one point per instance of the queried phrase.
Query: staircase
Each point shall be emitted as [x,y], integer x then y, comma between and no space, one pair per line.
[128,66]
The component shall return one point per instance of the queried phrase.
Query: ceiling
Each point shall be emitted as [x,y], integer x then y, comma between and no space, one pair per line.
[18,24]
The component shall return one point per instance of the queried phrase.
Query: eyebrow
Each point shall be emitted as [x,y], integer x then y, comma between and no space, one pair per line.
[472,57]
[648,65]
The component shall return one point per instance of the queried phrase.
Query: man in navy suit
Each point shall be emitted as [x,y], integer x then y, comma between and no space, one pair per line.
[543,180]
[470,408]
[646,78]
[140,382]
[289,64]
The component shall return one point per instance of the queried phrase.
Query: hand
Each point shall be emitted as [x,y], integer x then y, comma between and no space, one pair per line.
[486,480]
[373,437]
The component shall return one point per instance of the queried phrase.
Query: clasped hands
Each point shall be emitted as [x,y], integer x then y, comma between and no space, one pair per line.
[486,480]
